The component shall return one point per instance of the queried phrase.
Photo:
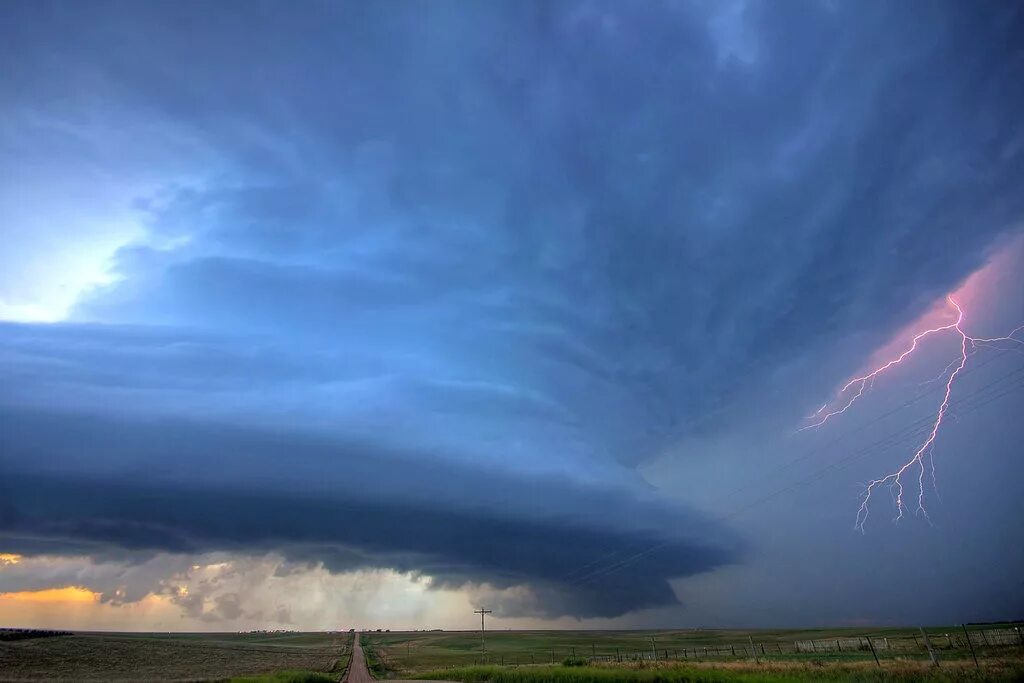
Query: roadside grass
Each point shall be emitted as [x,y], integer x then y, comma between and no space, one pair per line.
[374,662]
[341,664]
[286,677]
[735,672]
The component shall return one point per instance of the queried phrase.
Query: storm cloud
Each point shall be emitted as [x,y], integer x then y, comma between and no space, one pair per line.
[107,485]
[419,287]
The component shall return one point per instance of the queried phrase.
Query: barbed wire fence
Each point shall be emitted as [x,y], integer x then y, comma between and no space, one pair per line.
[960,643]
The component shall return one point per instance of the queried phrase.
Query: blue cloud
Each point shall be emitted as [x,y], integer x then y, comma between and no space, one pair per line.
[508,241]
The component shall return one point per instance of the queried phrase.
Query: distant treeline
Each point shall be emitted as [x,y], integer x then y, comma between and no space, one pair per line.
[26,633]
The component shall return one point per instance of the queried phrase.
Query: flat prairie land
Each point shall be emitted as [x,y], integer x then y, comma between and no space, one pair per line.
[458,654]
[739,672]
[663,656]
[171,657]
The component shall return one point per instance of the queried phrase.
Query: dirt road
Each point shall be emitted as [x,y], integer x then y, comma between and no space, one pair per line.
[357,671]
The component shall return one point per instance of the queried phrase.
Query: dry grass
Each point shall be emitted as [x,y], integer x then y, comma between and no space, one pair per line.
[101,657]
[993,669]
[411,652]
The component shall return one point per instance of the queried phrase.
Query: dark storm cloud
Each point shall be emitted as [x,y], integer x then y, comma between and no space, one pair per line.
[646,205]
[523,245]
[132,486]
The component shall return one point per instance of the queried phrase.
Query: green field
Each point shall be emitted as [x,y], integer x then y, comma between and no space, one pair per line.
[524,656]
[735,672]
[454,655]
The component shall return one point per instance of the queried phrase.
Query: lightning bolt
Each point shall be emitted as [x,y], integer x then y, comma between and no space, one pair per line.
[894,480]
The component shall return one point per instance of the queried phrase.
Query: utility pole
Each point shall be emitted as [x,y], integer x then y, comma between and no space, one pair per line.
[483,643]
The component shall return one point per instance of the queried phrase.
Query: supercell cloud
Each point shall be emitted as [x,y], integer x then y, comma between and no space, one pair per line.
[420,287]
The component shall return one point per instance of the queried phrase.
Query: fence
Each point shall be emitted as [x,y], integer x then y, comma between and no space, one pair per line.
[965,642]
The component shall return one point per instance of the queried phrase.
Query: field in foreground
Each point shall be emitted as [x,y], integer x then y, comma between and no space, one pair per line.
[174,657]
[736,672]
[527,656]
[414,652]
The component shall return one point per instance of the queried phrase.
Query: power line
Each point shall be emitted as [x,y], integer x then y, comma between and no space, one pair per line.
[861,427]
[917,428]
[846,435]
[600,559]
[483,643]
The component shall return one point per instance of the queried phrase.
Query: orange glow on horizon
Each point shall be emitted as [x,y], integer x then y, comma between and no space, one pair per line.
[66,594]
[9,558]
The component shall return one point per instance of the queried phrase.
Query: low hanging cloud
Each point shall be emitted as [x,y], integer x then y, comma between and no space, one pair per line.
[349,506]
[212,590]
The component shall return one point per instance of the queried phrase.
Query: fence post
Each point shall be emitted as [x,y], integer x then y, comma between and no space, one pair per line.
[873,653]
[928,644]
[618,657]
[970,645]
[753,650]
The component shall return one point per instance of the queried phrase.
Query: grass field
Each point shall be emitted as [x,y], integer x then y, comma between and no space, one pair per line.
[522,656]
[178,656]
[711,655]
[418,651]
[736,672]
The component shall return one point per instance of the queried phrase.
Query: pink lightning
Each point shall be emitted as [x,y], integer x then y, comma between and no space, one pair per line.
[968,346]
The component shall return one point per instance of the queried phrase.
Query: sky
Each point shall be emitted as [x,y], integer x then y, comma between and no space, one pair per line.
[365,315]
